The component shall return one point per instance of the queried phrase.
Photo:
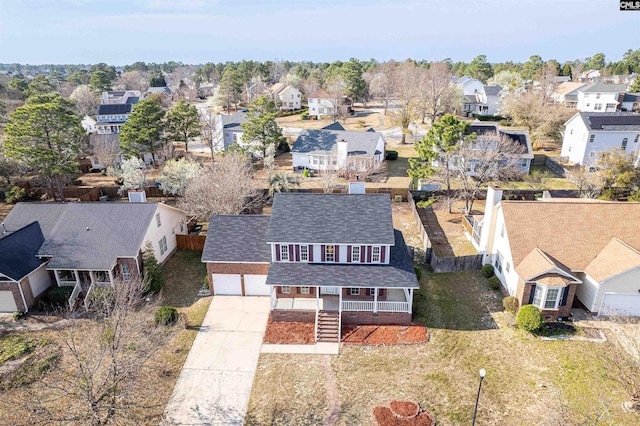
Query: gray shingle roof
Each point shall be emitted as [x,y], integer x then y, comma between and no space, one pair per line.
[492,90]
[237,238]
[604,88]
[131,100]
[331,218]
[233,121]
[325,142]
[520,137]
[333,126]
[162,89]
[610,120]
[631,97]
[110,109]
[398,273]
[18,252]
[46,214]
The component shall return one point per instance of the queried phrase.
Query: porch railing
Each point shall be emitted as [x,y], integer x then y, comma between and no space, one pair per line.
[74,295]
[295,304]
[67,283]
[369,306]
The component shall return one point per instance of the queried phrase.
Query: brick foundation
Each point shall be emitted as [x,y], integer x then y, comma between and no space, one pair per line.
[293,316]
[395,318]
[523,294]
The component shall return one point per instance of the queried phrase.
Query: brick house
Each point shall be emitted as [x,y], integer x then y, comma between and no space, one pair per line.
[82,245]
[560,251]
[331,259]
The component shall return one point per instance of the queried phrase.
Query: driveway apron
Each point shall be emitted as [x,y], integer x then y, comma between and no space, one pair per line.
[215,383]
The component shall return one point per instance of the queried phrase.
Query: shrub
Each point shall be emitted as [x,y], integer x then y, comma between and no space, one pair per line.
[305,173]
[510,304]
[423,204]
[16,315]
[529,318]
[166,315]
[391,155]
[494,283]
[56,298]
[487,271]
[152,270]
[418,272]
[283,146]
[304,115]
[15,195]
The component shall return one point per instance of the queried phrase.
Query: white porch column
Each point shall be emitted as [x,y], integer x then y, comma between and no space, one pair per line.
[340,300]
[375,300]
[317,299]
[111,276]
[272,296]
[92,276]
[75,271]
[410,300]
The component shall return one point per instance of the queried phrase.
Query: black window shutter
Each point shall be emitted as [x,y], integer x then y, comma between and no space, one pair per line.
[565,296]
[532,294]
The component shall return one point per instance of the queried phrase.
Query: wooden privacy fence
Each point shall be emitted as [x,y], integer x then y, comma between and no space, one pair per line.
[191,242]
[393,192]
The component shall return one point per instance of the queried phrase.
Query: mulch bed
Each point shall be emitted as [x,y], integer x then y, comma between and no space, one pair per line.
[402,413]
[289,333]
[385,334]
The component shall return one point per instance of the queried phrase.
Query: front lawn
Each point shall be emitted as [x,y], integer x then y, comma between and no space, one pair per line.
[529,381]
[184,274]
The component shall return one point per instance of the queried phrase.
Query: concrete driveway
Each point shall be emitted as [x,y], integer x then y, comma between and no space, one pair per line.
[215,382]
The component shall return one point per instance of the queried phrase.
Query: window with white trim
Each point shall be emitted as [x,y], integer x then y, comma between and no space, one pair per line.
[597,95]
[284,253]
[305,290]
[330,253]
[372,291]
[551,299]
[375,254]
[304,253]
[507,267]
[158,223]
[547,297]
[163,245]
[592,138]
[355,254]
[636,138]
[285,289]
[597,107]
[624,144]
[126,274]
[354,291]
[498,262]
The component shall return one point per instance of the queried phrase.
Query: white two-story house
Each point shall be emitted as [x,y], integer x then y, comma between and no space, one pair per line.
[111,117]
[600,97]
[287,98]
[588,134]
[330,259]
[321,104]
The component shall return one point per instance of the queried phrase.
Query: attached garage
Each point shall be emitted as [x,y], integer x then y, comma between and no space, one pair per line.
[620,304]
[256,285]
[227,284]
[7,302]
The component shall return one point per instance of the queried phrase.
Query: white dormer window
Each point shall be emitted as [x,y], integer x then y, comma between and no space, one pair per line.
[355,254]
[375,254]
[284,253]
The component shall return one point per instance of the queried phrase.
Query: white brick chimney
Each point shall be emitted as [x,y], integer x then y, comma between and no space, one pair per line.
[494,196]
[342,154]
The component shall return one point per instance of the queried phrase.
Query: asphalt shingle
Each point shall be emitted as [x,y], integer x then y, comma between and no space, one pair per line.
[325,142]
[18,252]
[237,238]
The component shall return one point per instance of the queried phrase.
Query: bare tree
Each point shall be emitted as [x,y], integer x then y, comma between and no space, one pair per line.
[587,182]
[105,148]
[132,80]
[336,89]
[407,78]
[211,131]
[100,375]
[85,99]
[437,95]
[382,83]
[329,180]
[489,156]
[226,187]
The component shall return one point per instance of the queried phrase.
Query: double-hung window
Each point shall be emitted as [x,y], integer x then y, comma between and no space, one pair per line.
[163,245]
[355,254]
[330,254]
[375,254]
[158,222]
[284,253]
[498,262]
[304,253]
[547,297]
[285,289]
[126,274]
[305,290]
[354,291]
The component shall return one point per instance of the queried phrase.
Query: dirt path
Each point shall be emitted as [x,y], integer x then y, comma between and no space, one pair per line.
[332,394]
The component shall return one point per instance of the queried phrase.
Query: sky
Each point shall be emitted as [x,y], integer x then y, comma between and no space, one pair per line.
[121,32]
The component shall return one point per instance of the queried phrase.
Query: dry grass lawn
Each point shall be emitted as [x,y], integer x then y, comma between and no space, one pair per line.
[528,382]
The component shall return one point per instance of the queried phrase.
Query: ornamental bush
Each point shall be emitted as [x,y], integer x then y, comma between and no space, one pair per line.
[529,318]
[391,155]
[166,315]
[510,304]
[487,271]
[494,283]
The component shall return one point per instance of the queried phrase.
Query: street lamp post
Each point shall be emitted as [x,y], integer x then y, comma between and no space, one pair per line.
[475,410]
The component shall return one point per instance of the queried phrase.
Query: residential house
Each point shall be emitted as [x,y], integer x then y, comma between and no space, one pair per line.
[321,104]
[121,97]
[89,124]
[522,150]
[567,93]
[590,76]
[587,134]
[85,245]
[469,85]
[546,253]
[111,117]
[164,91]
[330,259]
[600,97]
[487,100]
[232,129]
[631,102]
[333,148]
[287,97]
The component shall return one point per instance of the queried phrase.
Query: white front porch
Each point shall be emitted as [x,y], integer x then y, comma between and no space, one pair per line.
[83,283]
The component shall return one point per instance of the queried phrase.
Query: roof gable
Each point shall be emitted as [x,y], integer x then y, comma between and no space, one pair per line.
[331,219]
[319,94]
[611,120]
[325,142]
[538,265]
[18,252]
[615,258]
[237,238]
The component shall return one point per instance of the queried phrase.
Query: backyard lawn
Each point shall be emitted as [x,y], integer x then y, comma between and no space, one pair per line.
[184,275]
[528,382]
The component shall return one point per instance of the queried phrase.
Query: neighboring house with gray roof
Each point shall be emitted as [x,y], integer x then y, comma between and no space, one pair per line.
[164,90]
[589,134]
[631,102]
[90,244]
[601,97]
[322,258]
[331,150]
[232,128]
[487,100]
[23,276]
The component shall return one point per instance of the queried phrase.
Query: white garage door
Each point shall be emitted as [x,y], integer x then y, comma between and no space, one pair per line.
[7,303]
[255,285]
[620,304]
[227,284]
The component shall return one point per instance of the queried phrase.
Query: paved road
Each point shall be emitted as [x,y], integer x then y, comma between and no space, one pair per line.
[215,382]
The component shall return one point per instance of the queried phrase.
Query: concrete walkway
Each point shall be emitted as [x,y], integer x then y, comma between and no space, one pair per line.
[215,382]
